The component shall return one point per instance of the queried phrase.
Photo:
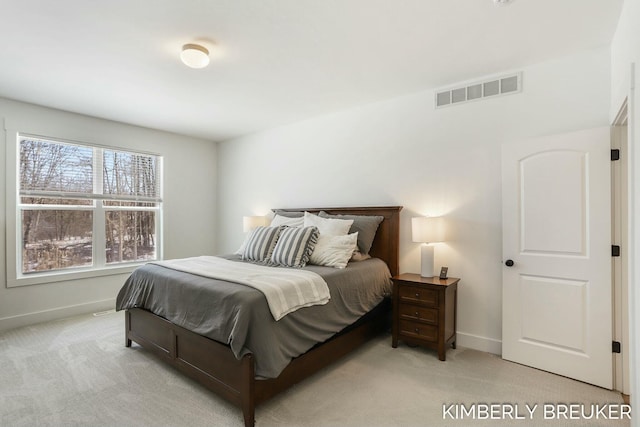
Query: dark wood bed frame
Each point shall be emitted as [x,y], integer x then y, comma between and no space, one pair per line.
[214,365]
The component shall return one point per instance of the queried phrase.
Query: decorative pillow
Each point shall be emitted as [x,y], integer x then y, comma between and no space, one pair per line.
[294,247]
[288,221]
[260,243]
[334,251]
[365,226]
[326,226]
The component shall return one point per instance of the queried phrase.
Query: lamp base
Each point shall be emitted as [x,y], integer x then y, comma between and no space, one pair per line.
[426,253]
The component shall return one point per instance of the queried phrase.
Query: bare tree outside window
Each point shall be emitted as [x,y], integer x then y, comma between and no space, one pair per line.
[130,233]
[59,195]
[57,239]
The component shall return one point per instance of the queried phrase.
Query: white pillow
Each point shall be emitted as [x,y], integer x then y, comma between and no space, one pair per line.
[289,222]
[328,226]
[334,251]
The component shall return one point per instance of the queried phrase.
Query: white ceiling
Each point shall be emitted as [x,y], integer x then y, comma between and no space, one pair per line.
[273,61]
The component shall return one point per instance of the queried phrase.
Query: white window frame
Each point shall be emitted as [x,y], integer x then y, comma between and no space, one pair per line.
[15,277]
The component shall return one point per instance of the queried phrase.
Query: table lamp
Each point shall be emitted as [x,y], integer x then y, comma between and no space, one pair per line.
[249,223]
[427,230]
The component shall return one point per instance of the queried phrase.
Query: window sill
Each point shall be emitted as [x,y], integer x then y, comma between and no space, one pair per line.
[65,276]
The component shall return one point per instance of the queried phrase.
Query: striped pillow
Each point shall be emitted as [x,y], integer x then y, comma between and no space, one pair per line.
[260,244]
[294,246]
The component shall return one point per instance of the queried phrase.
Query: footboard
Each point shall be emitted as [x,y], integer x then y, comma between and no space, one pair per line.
[214,365]
[210,363]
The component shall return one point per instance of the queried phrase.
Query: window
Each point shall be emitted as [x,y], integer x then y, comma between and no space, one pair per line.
[85,207]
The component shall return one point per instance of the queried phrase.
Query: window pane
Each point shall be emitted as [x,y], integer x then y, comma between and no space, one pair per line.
[130,236]
[127,174]
[55,239]
[54,166]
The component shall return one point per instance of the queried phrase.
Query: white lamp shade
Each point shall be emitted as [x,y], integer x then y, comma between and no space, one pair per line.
[427,229]
[249,223]
[195,56]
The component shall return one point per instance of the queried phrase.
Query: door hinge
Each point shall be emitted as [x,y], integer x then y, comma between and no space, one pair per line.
[615,250]
[615,154]
[615,346]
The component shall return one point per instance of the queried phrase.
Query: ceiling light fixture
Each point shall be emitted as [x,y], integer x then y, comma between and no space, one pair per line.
[502,2]
[194,55]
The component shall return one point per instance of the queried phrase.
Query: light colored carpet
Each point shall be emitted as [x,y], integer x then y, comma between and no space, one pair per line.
[77,372]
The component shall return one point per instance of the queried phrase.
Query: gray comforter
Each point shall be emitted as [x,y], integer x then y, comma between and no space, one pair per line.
[239,316]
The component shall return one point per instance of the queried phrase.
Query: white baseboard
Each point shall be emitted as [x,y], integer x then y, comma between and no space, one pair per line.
[476,342]
[12,322]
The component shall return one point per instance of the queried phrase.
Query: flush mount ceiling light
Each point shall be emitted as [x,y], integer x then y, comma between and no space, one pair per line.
[502,2]
[194,55]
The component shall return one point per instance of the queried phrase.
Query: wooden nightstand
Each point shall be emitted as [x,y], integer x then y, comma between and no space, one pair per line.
[424,311]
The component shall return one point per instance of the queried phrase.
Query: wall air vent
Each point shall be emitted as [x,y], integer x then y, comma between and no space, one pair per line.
[488,88]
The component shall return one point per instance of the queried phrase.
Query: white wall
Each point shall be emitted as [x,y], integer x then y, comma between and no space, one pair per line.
[404,152]
[625,50]
[189,207]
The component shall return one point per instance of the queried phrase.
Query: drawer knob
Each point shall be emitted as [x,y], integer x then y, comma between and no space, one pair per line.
[417,295]
[417,314]
[417,330]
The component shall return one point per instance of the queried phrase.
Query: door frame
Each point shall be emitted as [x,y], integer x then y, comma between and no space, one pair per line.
[633,195]
[620,236]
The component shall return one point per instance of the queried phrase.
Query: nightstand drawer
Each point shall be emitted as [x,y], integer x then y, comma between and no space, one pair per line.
[417,294]
[419,330]
[416,312]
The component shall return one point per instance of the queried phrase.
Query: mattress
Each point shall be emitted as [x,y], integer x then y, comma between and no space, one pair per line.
[238,315]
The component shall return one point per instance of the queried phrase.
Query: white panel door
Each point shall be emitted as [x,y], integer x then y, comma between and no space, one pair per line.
[556,308]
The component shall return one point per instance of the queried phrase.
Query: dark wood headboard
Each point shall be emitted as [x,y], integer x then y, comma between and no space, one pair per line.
[386,244]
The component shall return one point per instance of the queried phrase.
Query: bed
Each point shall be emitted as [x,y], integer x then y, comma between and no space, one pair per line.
[241,380]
